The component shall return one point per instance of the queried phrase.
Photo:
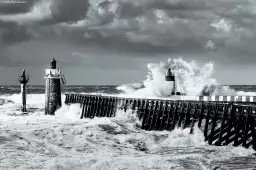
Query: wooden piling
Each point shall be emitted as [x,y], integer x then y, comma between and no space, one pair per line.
[201,115]
[252,124]
[159,116]
[209,109]
[149,116]
[222,126]
[105,111]
[246,126]
[145,115]
[163,124]
[229,125]
[194,117]
[174,115]
[238,119]
[213,124]
[186,116]
[83,108]
[181,113]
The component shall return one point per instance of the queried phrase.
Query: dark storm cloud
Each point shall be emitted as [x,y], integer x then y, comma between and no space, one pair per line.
[138,26]
[69,11]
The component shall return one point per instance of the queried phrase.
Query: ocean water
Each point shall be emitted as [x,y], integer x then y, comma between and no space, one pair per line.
[65,142]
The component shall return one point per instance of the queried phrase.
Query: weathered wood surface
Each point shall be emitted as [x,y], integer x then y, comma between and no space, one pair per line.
[223,123]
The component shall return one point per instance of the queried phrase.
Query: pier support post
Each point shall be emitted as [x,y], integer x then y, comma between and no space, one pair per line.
[53,78]
[23,79]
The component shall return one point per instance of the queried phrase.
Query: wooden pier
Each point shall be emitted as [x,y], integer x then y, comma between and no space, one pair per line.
[223,122]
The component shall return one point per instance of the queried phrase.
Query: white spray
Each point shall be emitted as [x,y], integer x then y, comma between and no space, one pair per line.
[191,79]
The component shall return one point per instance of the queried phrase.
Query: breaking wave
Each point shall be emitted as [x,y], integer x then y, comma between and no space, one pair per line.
[192,79]
[65,141]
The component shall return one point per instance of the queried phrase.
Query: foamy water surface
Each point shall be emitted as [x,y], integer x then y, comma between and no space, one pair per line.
[64,141]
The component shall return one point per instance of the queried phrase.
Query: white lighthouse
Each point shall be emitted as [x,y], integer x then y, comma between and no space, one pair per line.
[53,78]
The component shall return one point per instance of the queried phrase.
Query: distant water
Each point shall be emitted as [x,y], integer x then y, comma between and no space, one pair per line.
[105,89]
[39,89]
[64,142]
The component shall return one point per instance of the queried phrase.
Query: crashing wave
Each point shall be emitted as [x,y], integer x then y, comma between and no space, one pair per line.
[191,79]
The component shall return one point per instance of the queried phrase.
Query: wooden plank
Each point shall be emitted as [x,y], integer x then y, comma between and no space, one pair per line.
[99,105]
[201,114]
[213,125]
[175,115]
[96,103]
[252,124]
[139,108]
[83,110]
[145,115]
[147,126]
[159,116]
[134,105]
[88,115]
[126,105]
[102,109]
[194,117]
[246,126]
[66,99]
[187,116]
[112,106]
[229,125]
[209,109]
[109,106]
[106,111]
[238,119]
[86,107]
[142,109]
[222,126]
[105,107]
[93,107]
[181,114]
[164,118]
[154,115]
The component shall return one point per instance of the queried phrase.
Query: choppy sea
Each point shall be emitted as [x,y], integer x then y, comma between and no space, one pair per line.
[64,142]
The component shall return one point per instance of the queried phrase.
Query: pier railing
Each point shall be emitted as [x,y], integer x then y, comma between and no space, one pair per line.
[225,120]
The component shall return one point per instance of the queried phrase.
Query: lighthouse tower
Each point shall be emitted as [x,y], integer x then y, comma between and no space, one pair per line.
[169,76]
[53,78]
[23,79]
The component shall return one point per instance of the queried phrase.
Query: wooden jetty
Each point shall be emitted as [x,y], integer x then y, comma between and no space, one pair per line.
[224,120]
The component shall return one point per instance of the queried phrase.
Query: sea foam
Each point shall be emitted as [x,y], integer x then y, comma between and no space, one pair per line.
[192,79]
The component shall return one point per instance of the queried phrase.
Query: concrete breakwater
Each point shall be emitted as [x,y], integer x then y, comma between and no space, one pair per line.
[223,122]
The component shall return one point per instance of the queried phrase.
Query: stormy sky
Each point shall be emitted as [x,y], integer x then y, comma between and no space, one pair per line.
[111,41]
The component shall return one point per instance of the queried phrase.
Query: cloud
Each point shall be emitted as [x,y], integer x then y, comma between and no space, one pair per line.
[222,25]
[210,45]
[146,27]
[68,11]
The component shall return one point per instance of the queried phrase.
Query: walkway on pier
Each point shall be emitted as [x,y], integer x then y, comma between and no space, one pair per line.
[223,121]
